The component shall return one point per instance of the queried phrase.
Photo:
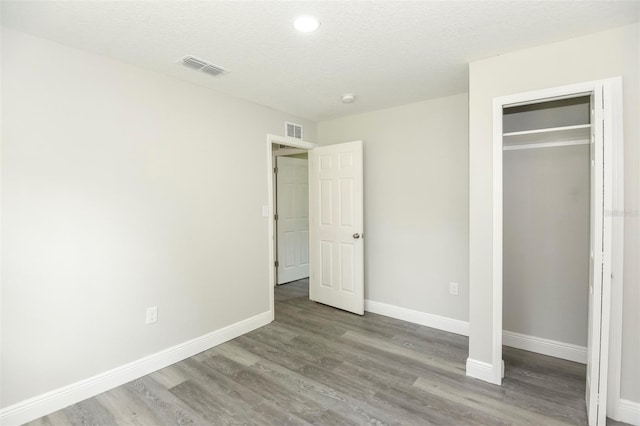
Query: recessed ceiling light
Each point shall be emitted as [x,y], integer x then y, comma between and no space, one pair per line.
[306,24]
[348,98]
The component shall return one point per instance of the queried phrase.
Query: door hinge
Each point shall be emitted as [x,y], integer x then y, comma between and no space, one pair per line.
[277,263]
[275,217]
[275,170]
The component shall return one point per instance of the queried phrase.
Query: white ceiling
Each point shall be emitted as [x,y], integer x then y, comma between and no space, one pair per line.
[386,52]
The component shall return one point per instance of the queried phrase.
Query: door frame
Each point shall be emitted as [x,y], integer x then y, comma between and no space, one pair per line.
[613,227]
[270,211]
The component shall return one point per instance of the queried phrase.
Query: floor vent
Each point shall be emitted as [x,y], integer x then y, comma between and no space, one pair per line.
[203,66]
[293,130]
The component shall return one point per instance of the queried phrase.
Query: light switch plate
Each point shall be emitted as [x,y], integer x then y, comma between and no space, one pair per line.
[152,314]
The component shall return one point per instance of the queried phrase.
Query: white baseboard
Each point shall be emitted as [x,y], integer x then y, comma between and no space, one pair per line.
[484,371]
[41,405]
[539,345]
[429,320]
[627,412]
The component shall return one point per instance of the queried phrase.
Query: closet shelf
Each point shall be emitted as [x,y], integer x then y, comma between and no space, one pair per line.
[554,134]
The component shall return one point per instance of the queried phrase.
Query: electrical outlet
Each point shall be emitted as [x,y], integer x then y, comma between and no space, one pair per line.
[453,288]
[152,314]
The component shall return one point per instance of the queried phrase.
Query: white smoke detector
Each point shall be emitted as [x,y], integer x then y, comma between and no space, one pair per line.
[348,98]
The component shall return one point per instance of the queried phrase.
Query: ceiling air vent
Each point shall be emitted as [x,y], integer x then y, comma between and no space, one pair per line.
[293,130]
[203,66]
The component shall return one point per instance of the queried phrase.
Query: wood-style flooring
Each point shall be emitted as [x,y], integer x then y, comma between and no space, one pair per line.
[322,366]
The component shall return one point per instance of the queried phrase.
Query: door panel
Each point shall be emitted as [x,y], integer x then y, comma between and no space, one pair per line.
[293,219]
[346,261]
[326,271]
[597,343]
[336,226]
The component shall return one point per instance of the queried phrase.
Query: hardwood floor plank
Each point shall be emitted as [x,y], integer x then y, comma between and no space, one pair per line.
[404,352]
[349,321]
[486,404]
[159,400]
[227,401]
[293,349]
[308,322]
[366,359]
[57,418]
[212,409]
[169,376]
[434,410]
[237,354]
[88,412]
[457,352]
[126,408]
[280,388]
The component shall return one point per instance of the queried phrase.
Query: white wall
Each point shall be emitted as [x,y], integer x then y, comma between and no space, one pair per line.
[597,56]
[120,191]
[416,202]
[546,242]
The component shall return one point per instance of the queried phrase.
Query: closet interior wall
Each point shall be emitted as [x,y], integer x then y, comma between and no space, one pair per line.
[546,193]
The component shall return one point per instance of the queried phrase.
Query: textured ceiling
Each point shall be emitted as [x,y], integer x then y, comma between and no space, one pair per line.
[386,52]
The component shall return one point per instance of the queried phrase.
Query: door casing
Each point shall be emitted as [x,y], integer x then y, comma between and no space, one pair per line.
[294,143]
[613,244]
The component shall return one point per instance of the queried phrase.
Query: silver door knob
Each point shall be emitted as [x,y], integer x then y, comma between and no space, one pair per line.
[356,235]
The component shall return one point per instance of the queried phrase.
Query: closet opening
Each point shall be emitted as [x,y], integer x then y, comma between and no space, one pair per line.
[546,226]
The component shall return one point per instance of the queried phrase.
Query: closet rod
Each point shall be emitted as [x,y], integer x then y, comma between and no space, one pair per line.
[551,99]
[544,145]
[551,130]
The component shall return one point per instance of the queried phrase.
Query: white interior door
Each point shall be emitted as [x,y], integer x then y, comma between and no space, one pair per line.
[336,226]
[599,285]
[292,201]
